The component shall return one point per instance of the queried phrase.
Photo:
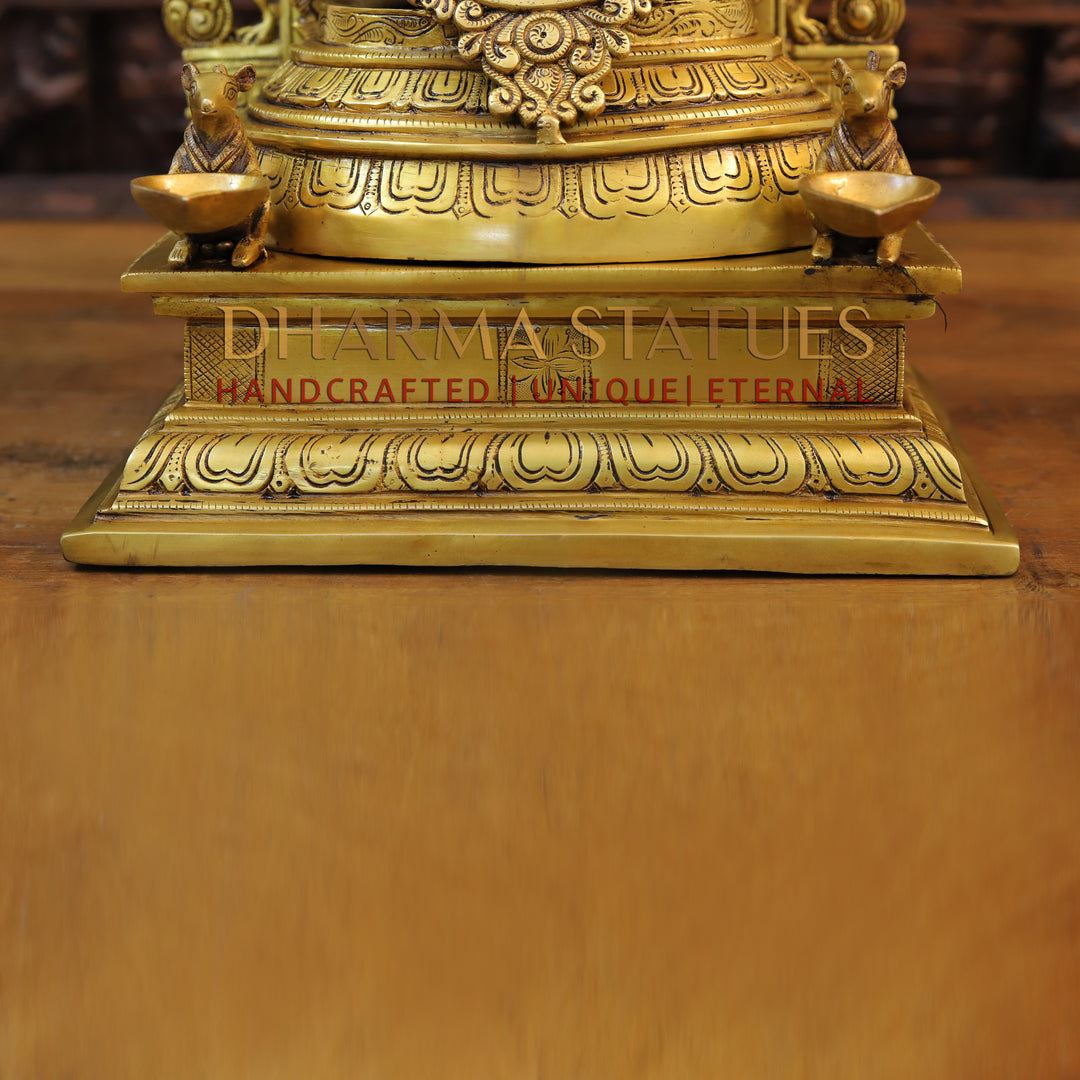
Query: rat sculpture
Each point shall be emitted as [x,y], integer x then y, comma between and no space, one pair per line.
[864,140]
[216,142]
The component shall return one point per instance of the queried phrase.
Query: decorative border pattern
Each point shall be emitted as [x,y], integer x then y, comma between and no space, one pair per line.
[602,189]
[315,464]
[340,26]
[777,83]
[678,20]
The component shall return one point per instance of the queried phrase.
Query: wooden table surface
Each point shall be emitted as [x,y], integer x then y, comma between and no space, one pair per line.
[502,825]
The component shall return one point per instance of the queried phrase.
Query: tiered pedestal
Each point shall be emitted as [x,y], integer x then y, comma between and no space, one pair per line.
[337,412]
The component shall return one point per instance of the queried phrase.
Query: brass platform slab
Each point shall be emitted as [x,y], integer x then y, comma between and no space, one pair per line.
[927,270]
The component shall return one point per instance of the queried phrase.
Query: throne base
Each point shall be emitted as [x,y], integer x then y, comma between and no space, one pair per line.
[873,482]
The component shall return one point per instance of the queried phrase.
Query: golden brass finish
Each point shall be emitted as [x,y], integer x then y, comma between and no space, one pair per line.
[848,539]
[545,59]
[200,202]
[850,21]
[787,276]
[864,140]
[865,479]
[383,139]
[207,32]
[868,204]
[866,21]
[612,348]
[852,29]
[215,144]
[211,22]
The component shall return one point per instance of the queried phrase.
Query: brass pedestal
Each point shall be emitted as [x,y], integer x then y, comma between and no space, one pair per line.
[751,413]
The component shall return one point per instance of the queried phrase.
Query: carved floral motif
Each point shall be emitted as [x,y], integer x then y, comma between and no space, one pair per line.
[545,65]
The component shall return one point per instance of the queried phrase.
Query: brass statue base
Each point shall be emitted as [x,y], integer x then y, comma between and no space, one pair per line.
[753,413]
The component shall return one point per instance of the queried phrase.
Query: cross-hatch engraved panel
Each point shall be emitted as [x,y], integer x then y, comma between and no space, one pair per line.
[880,374]
[205,362]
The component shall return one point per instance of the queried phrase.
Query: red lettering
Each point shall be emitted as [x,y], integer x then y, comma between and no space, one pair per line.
[286,391]
[783,390]
[453,386]
[637,392]
[329,392]
[406,389]
[807,388]
[577,392]
[665,390]
[304,399]
[622,399]
[354,393]
[859,397]
[839,388]
[758,384]
[536,394]
[253,389]
[223,390]
[472,393]
[384,389]
[716,386]
[431,387]
[738,388]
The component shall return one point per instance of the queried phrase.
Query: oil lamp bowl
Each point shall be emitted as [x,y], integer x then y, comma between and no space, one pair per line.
[200,203]
[868,204]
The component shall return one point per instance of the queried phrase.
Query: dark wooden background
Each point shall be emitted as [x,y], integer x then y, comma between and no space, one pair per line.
[90,86]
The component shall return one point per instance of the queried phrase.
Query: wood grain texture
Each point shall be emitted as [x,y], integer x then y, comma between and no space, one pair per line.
[555,825]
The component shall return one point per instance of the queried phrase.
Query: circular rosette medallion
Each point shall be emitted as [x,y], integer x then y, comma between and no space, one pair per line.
[544,37]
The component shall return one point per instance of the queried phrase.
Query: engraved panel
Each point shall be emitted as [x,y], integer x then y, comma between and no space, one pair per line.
[450,462]
[642,186]
[205,362]
[879,373]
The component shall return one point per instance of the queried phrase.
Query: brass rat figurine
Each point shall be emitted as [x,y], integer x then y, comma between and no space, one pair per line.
[863,140]
[215,142]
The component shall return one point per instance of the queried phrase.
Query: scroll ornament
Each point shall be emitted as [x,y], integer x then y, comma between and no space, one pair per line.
[195,23]
[866,22]
[851,22]
[545,63]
